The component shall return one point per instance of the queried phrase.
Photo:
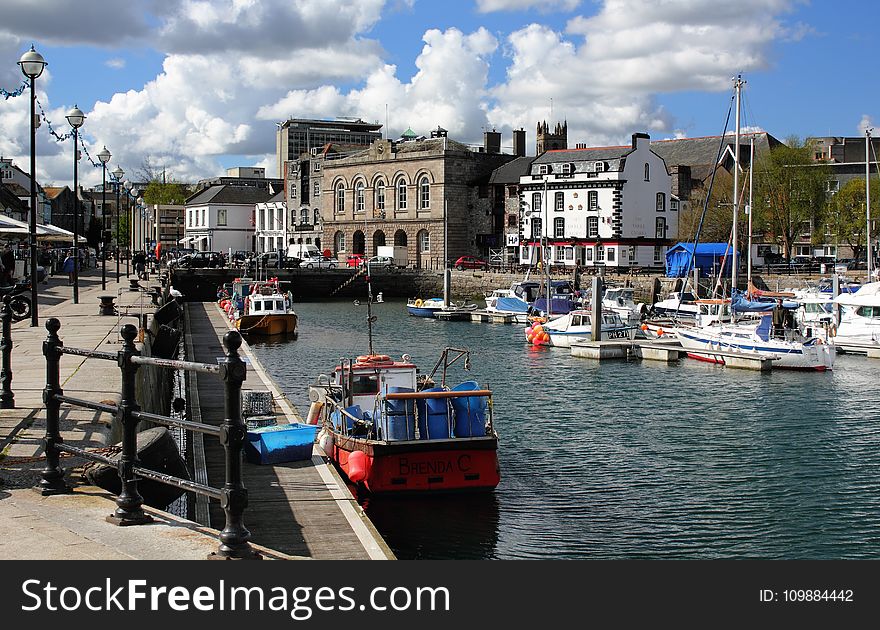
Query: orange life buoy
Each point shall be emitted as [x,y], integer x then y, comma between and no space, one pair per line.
[418,303]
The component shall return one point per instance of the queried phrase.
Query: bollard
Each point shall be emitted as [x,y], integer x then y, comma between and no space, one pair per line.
[129,510]
[234,537]
[7,397]
[52,477]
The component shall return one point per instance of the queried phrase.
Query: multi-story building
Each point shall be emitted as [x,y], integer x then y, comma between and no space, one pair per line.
[167,222]
[300,135]
[243,176]
[221,218]
[271,224]
[608,206]
[428,194]
[18,183]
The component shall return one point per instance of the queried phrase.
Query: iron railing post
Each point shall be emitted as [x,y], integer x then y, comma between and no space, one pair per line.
[129,510]
[52,481]
[235,536]
[7,397]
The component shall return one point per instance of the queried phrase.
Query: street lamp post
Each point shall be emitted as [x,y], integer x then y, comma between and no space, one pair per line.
[76,118]
[32,64]
[104,157]
[117,174]
[127,186]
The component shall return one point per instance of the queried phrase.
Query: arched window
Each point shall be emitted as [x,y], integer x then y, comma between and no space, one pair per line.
[359,203]
[304,213]
[400,238]
[378,239]
[559,203]
[401,194]
[359,243]
[340,198]
[424,193]
[647,172]
[424,240]
[317,217]
[380,195]
[339,241]
[558,227]
[661,202]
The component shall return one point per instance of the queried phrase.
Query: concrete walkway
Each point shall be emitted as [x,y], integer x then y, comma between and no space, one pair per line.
[73,526]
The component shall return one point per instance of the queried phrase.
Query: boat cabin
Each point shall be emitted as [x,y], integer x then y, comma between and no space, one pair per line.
[369,375]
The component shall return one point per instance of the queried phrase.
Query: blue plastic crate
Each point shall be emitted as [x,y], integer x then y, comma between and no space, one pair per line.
[280,443]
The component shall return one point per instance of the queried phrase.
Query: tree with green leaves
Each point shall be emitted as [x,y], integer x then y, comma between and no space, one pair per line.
[165,193]
[789,193]
[719,214]
[847,219]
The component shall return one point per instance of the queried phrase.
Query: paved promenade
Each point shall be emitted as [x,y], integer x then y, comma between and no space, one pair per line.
[73,526]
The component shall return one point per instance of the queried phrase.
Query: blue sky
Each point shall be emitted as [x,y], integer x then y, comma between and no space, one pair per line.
[196,86]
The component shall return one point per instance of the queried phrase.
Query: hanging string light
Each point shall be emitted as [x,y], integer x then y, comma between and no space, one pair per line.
[8,95]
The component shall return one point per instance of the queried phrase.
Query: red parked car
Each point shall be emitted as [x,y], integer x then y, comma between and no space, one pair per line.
[470,262]
[355,260]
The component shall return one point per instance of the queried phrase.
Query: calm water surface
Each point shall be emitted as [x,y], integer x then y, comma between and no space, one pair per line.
[626,460]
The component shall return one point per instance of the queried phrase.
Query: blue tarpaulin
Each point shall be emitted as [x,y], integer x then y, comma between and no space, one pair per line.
[708,259]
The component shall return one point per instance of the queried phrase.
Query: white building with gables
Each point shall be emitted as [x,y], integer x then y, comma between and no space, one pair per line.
[608,206]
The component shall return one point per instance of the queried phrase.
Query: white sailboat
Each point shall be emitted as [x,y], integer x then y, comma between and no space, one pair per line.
[790,348]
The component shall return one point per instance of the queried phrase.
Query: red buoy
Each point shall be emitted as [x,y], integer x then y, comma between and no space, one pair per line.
[358,466]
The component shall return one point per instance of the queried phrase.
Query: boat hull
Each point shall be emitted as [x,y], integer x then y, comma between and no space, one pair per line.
[420,311]
[267,324]
[700,345]
[422,466]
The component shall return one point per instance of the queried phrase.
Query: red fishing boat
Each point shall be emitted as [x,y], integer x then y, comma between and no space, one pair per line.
[390,429]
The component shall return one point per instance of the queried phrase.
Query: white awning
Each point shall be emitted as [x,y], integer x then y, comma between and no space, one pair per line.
[185,239]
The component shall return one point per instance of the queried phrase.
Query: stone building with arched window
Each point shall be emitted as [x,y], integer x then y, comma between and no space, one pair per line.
[394,193]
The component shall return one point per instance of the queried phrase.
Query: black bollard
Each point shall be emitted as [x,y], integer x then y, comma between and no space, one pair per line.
[129,503]
[52,481]
[235,536]
[7,397]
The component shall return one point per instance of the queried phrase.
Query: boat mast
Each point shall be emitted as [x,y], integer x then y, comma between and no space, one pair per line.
[749,207]
[370,318]
[544,256]
[868,196]
[737,85]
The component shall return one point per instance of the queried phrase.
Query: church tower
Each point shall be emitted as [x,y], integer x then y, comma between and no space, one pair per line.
[546,141]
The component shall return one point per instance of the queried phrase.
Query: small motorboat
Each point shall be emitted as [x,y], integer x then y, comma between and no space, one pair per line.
[259,307]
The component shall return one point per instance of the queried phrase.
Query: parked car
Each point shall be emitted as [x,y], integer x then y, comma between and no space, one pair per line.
[199,260]
[355,260]
[269,260]
[319,263]
[381,261]
[470,262]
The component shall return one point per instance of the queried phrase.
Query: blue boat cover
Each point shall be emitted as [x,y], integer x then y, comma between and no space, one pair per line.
[512,305]
[740,304]
[708,258]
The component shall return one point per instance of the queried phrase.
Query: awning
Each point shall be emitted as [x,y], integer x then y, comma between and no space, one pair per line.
[185,239]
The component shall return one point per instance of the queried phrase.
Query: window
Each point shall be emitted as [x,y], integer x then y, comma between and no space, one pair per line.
[600,167]
[359,203]
[647,172]
[316,166]
[558,227]
[339,242]
[543,169]
[593,200]
[317,217]
[592,227]
[566,169]
[832,186]
[304,215]
[511,220]
[316,188]
[424,240]
[673,205]
[559,203]
[632,252]
[189,218]
[293,190]
[569,253]
[661,227]
[661,202]
[270,218]
[380,195]
[424,194]
[221,216]
[600,253]
[204,216]
[536,202]
[536,227]
[401,194]
[611,254]
[588,254]
[340,198]
[658,254]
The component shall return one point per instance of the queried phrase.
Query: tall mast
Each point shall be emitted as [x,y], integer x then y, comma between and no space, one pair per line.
[868,196]
[737,84]
[544,255]
[750,209]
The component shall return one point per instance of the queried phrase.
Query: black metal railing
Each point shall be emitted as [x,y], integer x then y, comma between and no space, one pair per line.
[233,498]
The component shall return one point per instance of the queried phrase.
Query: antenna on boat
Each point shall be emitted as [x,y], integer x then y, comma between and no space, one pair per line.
[370,318]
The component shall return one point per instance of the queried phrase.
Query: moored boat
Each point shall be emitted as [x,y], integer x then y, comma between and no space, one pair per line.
[425,308]
[260,307]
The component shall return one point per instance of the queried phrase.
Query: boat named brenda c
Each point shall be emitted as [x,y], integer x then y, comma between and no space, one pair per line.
[391,430]
[259,307]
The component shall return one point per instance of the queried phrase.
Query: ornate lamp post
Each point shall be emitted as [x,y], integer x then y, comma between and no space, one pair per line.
[104,157]
[76,118]
[32,65]
[117,174]
[127,185]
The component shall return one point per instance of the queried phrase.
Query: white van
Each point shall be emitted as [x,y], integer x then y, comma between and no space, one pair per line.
[303,252]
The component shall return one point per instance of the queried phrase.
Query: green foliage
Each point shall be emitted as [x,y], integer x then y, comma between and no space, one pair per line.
[170,193]
[719,214]
[846,218]
[789,193]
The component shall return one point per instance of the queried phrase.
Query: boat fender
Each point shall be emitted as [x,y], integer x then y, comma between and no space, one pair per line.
[373,358]
[326,443]
[314,412]
[832,330]
[418,303]
[358,466]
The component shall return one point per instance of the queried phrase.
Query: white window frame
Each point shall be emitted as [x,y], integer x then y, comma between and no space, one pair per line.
[424,193]
[400,195]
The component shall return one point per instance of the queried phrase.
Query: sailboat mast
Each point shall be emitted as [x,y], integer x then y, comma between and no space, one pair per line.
[544,253]
[868,196]
[737,84]
[750,208]
[369,309]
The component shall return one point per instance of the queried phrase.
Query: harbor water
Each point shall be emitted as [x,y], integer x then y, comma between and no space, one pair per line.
[625,459]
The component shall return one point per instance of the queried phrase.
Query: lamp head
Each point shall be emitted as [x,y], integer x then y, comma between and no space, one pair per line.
[75,117]
[104,155]
[118,173]
[32,63]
